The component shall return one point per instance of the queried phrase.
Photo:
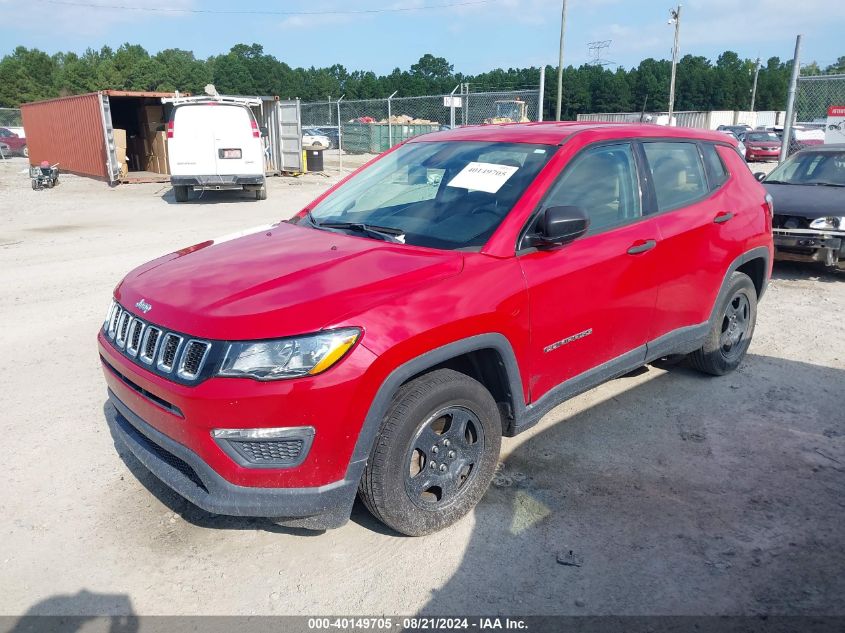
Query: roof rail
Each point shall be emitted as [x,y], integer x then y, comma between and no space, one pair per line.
[178,100]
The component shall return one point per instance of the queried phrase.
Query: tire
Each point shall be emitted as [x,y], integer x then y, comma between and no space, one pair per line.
[732,330]
[261,194]
[435,453]
[34,185]
[181,193]
[25,151]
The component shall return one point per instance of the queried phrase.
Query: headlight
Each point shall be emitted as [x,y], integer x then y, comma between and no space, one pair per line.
[288,357]
[829,223]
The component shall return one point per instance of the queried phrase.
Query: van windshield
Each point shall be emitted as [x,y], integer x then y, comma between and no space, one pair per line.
[449,195]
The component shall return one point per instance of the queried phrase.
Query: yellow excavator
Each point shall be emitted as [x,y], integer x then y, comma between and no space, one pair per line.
[509,111]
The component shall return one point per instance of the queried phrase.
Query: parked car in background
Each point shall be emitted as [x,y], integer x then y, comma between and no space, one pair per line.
[384,339]
[736,130]
[808,190]
[761,145]
[313,138]
[214,143]
[739,144]
[15,143]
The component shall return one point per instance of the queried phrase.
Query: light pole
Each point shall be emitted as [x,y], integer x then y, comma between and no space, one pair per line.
[560,61]
[676,20]
[754,87]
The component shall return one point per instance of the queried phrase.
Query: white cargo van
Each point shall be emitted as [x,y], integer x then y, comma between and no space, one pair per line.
[215,143]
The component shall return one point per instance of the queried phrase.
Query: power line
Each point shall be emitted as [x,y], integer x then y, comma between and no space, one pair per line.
[92,5]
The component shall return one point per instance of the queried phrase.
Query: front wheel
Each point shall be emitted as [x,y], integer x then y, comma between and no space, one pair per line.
[731,332]
[25,151]
[180,192]
[435,453]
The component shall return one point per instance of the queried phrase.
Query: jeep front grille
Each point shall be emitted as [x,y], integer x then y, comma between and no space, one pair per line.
[162,351]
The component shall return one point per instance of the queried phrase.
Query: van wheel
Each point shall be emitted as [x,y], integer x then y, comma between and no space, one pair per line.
[435,453]
[261,194]
[730,335]
[181,193]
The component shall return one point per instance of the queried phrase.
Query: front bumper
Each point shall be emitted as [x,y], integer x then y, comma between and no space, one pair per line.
[809,245]
[180,420]
[761,154]
[186,473]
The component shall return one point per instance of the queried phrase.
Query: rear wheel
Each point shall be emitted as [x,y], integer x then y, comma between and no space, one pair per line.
[435,453]
[181,193]
[261,194]
[730,335]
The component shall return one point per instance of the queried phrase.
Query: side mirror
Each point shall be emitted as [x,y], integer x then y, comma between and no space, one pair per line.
[759,175]
[263,130]
[560,225]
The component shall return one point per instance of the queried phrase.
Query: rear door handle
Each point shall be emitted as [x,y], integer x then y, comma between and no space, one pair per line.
[722,217]
[641,246]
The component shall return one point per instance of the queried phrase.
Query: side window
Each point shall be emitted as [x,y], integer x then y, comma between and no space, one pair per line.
[716,172]
[603,182]
[677,173]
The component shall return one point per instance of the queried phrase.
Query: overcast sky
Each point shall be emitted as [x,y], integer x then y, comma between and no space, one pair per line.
[474,37]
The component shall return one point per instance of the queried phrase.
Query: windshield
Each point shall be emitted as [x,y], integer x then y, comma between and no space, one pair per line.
[508,110]
[761,137]
[448,195]
[811,168]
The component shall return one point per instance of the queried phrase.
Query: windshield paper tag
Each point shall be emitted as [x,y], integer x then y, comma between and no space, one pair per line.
[487,177]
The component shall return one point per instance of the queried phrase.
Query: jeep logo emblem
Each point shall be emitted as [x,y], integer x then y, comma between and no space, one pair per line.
[143,306]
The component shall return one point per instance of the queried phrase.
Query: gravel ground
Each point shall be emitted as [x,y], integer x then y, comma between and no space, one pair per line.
[664,492]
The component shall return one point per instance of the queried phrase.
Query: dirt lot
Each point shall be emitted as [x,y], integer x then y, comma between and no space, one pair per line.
[661,493]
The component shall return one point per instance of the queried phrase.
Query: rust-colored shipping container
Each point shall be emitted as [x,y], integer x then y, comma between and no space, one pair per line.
[78,132]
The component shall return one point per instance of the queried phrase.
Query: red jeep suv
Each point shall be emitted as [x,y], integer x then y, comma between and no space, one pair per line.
[449,293]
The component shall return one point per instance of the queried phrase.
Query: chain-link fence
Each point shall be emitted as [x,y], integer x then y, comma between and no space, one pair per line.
[365,127]
[10,117]
[815,95]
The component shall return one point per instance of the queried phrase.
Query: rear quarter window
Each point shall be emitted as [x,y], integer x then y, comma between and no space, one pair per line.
[717,174]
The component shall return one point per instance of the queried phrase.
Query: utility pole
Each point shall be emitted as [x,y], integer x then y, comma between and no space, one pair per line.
[790,102]
[560,61]
[676,19]
[754,86]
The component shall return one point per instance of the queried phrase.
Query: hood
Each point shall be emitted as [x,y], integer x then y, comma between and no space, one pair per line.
[807,201]
[281,281]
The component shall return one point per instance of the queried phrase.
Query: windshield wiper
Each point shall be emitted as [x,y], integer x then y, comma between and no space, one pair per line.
[824,184]
[778,182]
[386,233]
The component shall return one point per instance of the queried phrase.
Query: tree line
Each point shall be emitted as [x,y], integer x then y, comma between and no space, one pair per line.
[31,75]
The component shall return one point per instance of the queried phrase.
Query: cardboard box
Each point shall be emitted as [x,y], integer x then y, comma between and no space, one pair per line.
[120,138]
[157,153]
[153,116]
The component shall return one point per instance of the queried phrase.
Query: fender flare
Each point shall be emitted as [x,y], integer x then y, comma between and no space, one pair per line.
[384,395]
[760,252]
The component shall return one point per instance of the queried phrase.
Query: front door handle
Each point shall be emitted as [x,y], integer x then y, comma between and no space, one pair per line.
[641,246]
[722,217]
